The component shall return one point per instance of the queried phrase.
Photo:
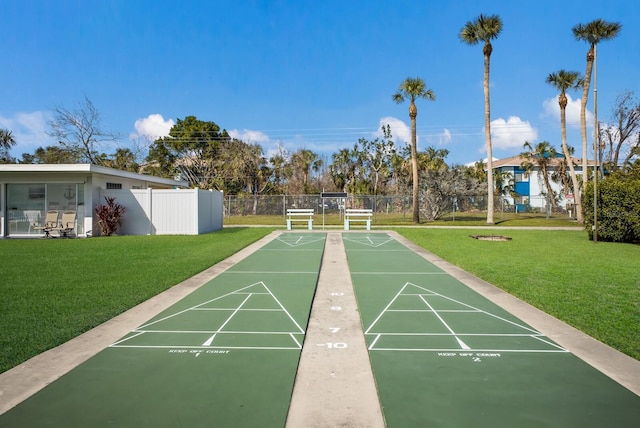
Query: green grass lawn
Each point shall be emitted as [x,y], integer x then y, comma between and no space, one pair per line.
[593,287]
[53,290]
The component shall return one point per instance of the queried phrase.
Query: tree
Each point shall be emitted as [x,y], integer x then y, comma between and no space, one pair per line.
[484,29]
[412,89]
[190,151]
[50,155]
[303,161]
[593,33]
[6,142]
[377,154]
[79,131]
[280,170]
[563,81]
[540,157]
[624,131]
[123,159]
[344,169]
[431,164]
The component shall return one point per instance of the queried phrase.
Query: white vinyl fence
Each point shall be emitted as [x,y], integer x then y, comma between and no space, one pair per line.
[167,211]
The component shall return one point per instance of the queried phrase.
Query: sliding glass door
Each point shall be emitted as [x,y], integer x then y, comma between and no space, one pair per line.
[27,205]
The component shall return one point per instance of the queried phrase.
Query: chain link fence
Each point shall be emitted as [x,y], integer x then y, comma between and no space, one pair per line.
[390,205]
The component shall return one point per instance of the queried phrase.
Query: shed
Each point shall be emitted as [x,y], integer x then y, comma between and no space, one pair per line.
[28,191]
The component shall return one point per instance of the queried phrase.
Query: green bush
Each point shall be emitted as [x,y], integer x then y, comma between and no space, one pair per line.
[618,210]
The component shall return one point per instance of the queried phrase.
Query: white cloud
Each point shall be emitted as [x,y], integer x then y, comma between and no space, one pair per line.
[401,133]
[249,136]
[511,133]
[29,130]
[153,126]
[551,108]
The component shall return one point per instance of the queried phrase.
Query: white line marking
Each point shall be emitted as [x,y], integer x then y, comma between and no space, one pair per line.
[283,308]
[498,351]
[208,342]
[295,340]
[217,332]
[127,338]
[477,309]
[241,310]
[399,273]
[201,347]
[374,342]
[198,305]
[273,272]
[385,309]
[542,339]
[462,344]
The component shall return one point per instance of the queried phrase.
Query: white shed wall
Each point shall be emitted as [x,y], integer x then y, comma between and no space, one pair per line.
[168,211]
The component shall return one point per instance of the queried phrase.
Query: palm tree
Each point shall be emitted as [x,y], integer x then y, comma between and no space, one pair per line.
[592,33]
[412,89]
[484,29]
[6,142]
[564,80]
[540,157]
[303,161]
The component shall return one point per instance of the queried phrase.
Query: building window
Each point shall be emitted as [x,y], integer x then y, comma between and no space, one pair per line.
[114,185]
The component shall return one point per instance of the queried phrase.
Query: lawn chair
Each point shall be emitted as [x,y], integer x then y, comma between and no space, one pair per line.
[50,222]
[33,217]
[67,224]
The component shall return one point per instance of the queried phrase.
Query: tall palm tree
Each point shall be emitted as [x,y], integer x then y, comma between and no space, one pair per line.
[484,29]
[593,33]
[540,157]
[412,89]
[563,81]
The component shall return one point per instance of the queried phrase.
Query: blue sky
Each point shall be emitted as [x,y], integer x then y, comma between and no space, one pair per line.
[311,74]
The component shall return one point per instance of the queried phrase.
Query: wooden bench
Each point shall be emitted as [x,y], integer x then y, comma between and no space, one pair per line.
[301,215]
[351,215]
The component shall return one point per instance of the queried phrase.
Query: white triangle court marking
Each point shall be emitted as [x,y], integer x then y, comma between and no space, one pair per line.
[209,340]
[367,241]
[297,241]
[433,293]
[245,291]
[462,344]
[429,293]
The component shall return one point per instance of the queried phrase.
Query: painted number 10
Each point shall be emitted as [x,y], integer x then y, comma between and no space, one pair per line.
[336,345]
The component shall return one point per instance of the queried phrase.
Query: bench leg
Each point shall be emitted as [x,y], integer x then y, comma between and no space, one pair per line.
[310,224]
[368,224]
[346,225]
[288,224]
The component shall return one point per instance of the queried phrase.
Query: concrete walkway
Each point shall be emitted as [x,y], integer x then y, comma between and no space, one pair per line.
[350,398]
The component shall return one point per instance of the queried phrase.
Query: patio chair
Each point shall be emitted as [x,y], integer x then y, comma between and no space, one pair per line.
[50,222]
[67,224]
[33,216]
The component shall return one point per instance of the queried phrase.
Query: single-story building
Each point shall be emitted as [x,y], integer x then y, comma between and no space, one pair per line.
[28,192]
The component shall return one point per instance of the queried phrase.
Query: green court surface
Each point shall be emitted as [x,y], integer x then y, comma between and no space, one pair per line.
[444,356]
[226,355]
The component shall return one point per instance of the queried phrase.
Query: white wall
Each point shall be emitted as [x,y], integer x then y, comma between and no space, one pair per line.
[167,211]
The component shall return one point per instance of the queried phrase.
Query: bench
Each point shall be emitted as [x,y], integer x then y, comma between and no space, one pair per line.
[301,215]
[351,215]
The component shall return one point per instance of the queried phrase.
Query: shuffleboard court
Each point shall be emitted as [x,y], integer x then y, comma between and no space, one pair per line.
[225,355]
[443,355]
